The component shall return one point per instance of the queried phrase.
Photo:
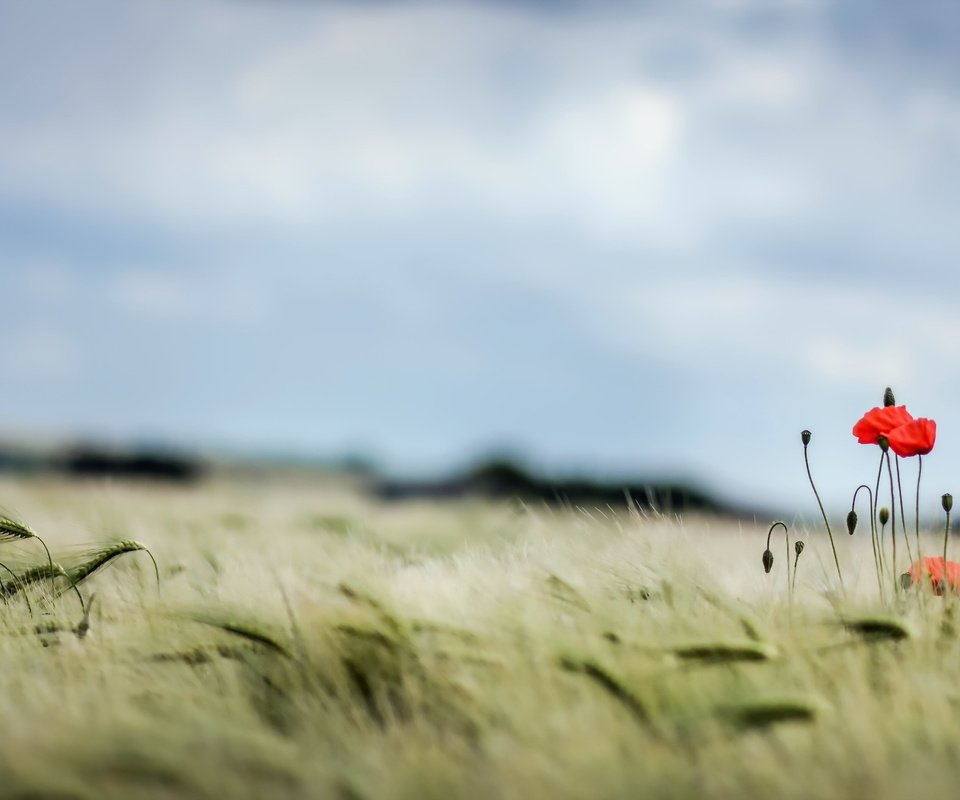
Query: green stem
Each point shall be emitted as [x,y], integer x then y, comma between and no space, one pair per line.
[876,496]
[903,511]
[919,473]
[946,535]
[873,534]
[836,560]
[893,521]
[883,530]
[53,577]
[17,583]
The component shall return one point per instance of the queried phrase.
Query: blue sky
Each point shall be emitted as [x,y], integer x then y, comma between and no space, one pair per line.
[628,238]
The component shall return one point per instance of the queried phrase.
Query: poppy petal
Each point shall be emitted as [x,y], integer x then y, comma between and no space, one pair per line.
[933,567]
[915,438]
[879,422]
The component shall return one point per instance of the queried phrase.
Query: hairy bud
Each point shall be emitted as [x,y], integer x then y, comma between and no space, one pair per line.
[884,515]
[767,561]
[888,398]
[947,502]
[805,437]
[851,522]
[798,547]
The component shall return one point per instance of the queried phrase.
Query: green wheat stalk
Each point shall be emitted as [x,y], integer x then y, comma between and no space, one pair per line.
[104,556]
[12,529]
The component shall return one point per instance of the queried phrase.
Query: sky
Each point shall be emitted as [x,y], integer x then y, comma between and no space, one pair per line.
[627,239]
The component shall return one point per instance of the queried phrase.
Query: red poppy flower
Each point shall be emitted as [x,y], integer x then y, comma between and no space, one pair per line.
[933,567]
[916,438]
[879,422]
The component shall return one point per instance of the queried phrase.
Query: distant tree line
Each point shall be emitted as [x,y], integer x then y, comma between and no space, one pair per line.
[495,479]
[505,480]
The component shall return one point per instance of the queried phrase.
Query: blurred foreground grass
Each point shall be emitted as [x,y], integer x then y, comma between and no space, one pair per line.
[309,643]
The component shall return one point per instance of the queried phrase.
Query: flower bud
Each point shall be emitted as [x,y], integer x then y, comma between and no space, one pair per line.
[805,437]
[888,398]
[906,581]
[947,502]
[884,515]
[851,522]
[884,443]
[767,561]
[798,547]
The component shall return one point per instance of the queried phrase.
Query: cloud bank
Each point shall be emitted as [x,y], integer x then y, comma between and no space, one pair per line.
[626,237]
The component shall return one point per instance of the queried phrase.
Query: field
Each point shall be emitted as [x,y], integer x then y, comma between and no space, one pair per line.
[308,642]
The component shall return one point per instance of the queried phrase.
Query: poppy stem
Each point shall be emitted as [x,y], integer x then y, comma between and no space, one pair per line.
[873,534]
[893,520]
[883,565]
[919,473]
[798,549]
[836,560]
[786,533]
[876,495]
[947,506]
[903,508]
[903,514]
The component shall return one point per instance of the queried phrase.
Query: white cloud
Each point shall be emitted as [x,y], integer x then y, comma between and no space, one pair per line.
[839,336]
[660,182]
[836,361]
[409,110]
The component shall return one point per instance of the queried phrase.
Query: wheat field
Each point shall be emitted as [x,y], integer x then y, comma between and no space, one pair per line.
[308,642]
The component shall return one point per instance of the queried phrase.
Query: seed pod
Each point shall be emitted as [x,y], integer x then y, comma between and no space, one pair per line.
[851,522]
[805,437]
[884,515]
[947,502]
[888,398]
[767,561]
[884,443]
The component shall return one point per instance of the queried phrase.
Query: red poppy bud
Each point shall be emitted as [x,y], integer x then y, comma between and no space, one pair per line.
[805,437]
[947,502]
[798,547]
[888,398]
[884,515]
[767,561]
[879,422]
[916,438]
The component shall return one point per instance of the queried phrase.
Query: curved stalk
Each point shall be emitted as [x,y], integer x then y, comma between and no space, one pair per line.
[16,580]
[786,534]
[49,560]
[873,534]
[806,461]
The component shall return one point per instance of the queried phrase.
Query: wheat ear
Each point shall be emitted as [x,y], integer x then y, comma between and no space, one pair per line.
[105,555]
[13,529]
